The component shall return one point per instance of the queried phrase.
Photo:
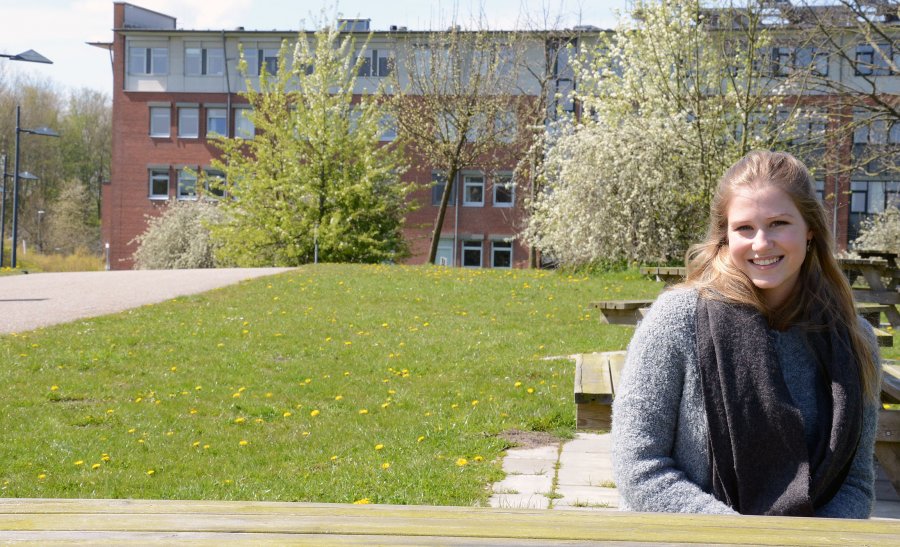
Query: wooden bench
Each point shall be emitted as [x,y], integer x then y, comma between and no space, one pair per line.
[597,375]
[621,312]
[669,275]
[116,522]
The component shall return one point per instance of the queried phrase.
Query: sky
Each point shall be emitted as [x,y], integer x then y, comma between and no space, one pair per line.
[58,29]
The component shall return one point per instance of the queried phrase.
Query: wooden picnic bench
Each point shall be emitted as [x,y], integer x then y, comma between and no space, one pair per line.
[621,312]
[597,375]
[878,291]
[149,522]
[669,275]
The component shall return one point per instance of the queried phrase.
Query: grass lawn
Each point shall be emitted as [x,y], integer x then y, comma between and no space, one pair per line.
[331,383]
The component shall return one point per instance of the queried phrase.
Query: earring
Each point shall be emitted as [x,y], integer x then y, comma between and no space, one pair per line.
[808,244]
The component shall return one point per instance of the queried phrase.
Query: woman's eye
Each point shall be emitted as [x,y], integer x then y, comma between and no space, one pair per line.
[779,223]
[743,228]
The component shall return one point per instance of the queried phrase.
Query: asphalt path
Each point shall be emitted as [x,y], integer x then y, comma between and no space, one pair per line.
[37,300]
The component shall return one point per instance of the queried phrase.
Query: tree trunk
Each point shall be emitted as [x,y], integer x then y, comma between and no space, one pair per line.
[449,186]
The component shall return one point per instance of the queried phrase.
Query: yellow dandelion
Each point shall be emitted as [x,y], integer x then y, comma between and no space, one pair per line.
[314,413]
[269,395]
[242,389]
[475,402]
[244,442]
[138,399]
[287,414]
[478,459]
[517,384]
[193,411]
[363,411]
[196,444]
[305,433]
[54,388]
[141,441]
[346,373]
[461,462]
[105,457]
[363,501]
[385,405]
[420,439]
[334,458]
[95,466]
[109,411]
[236,394]
[205,447]
[379,446]
[530,390]
[42,476]
[385,465]
[240,420]
[79,462]
[174,369]
[198,388]
[338,397]
[454,405]
[151,472]
[259,421]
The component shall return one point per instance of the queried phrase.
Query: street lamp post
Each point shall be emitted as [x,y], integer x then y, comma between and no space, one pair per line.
[3,212]
[30,56]
[46,131]
[41,231]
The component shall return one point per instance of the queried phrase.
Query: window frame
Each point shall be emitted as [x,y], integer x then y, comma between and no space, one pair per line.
[156,174]
[438,181]
[224,118]
[509,184]
[182,132]
[183,177]
[168,127]
[471,246]
[240,120]
[504,247]
[467,183]
[150,60]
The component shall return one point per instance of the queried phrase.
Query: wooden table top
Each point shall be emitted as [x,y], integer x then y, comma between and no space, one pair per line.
[45,521]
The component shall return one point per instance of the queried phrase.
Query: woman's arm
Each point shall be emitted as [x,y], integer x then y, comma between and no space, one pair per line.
[856,496]
[647,411]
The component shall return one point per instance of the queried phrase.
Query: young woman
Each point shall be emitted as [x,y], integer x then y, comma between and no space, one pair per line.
[752,388]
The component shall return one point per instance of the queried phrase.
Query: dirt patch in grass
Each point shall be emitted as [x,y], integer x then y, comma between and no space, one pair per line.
[529,439]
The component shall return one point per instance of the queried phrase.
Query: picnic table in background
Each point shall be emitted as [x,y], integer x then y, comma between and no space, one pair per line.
[881,278]
[669,275]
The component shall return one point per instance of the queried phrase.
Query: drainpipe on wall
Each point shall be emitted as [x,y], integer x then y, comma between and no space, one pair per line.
[456,260]
[227,88]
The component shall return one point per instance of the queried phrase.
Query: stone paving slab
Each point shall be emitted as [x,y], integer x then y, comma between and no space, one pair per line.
[529,466]
[520,501]
[525,484]
[549,453]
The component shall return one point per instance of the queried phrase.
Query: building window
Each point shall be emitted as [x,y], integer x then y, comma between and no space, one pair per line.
[189,122]
[871,61]
[148,60]
[268,60]
[504,191]
[204,61]
[216,124]
[868,198]
[810,58]
[501,254]
[388,126]
[159,184]
[376,64]
[160,121]
[471,254]
[473,191]
[215,183]
[781,61]
[439,181]
[187,185]
[243,125]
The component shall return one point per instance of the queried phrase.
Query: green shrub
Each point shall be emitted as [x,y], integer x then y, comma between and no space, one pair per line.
[880,232]
[179,237]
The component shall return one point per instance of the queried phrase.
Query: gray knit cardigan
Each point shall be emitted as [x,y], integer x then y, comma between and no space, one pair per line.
[659,430]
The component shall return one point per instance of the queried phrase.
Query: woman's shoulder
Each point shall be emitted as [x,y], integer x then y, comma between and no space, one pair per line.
[679,303]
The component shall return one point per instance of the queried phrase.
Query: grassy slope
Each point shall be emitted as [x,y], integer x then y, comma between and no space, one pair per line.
[257,391]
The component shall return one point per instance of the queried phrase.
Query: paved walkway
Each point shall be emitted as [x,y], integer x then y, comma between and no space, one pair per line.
[577,475]
[38,300]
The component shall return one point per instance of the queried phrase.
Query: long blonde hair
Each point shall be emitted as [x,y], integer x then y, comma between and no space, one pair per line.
[820,288]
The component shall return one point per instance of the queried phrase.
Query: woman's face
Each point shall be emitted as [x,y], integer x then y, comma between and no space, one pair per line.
[767,240]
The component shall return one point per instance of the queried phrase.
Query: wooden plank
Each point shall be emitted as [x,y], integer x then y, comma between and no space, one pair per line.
[884,338]
[890,383]
[593,416]
[373,524]
[888,426]
[593,382]
[876,297]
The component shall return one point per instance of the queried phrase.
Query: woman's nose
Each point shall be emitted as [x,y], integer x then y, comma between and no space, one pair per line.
[761,240]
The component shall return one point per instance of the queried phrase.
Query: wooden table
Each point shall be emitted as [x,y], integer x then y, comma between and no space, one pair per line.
[875,271]
[669,275]
[92,522]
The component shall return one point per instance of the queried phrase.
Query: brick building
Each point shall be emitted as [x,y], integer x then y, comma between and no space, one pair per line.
[173,87]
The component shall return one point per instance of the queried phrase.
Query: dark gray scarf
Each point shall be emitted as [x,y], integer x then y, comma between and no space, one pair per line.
[759,459]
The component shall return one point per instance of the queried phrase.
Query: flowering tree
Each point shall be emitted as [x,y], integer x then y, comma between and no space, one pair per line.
[179,237]
[668,102]
[316,181]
